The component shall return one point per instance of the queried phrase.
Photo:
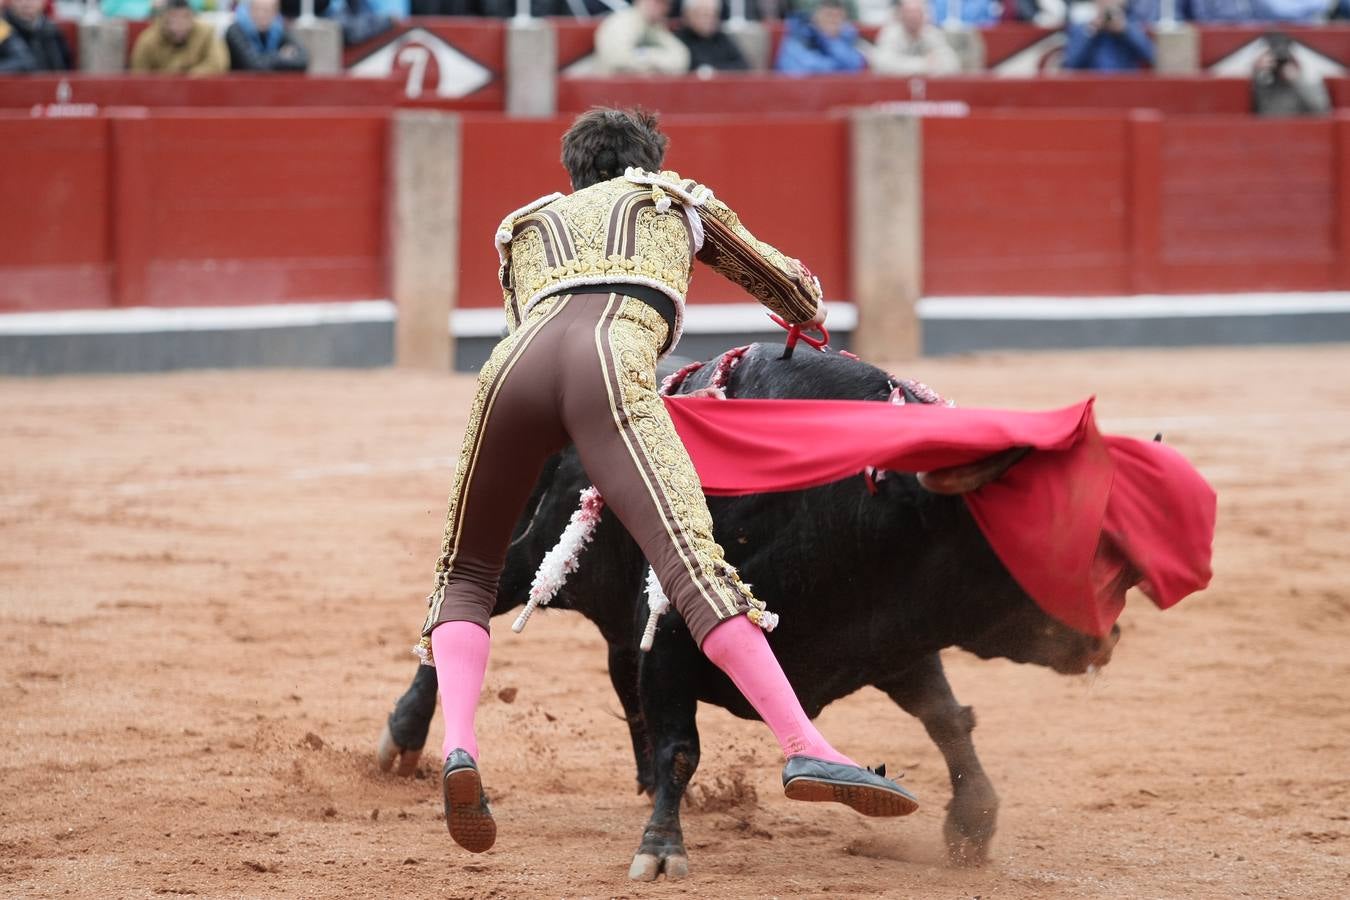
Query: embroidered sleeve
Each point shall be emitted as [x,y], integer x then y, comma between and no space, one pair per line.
[778,281]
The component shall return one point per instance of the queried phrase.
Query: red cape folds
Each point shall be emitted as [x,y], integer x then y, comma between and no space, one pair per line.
[1059,520]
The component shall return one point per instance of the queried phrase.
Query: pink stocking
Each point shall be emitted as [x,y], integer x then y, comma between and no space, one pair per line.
[460,650]
[738,647]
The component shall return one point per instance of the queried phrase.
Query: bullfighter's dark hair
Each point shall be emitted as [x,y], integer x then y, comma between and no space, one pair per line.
[603,142]
[175,4]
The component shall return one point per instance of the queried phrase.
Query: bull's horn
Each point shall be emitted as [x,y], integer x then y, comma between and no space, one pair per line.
[964,479]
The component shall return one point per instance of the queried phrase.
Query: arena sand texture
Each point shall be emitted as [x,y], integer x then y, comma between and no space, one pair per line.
[209,584]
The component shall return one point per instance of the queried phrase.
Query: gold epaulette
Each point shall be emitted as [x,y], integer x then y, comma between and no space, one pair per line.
[502,238]
[686,190]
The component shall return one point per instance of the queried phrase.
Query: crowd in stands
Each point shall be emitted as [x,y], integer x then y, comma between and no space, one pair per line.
[178,43]
[640,37]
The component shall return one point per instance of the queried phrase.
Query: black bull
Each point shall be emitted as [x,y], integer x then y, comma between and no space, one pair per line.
[870,588]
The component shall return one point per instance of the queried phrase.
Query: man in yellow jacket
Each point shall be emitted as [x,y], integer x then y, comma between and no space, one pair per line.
[177,44]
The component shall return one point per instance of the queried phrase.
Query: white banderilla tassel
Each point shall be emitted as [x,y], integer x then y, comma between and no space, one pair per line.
[561,561]
[657,603]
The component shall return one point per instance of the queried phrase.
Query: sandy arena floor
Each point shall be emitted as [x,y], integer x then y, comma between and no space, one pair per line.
[209,583]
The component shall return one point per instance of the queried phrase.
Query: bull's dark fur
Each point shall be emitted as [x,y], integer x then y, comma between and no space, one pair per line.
[869,588]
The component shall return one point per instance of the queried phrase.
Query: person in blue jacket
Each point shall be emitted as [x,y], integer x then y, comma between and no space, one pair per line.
[825,41]
[1111,42]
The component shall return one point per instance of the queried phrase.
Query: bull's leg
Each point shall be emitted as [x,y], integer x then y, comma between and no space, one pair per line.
[405,731]
[623,674]
[668,702]
[923,692]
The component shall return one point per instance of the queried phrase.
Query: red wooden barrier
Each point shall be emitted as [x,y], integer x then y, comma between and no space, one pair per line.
[787,177]
[1248,205]
[1104,206]
[1144,197]
[268,207]
[1341,140]
[1025,205]
[1339,91]
[229,91]
[758,93]
[54,237]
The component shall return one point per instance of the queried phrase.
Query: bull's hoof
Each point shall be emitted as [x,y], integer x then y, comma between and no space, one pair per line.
[966,852]
[393,758]
[968,841]
[647,866]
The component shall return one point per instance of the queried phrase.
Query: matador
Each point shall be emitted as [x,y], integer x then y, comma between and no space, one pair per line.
[594,284]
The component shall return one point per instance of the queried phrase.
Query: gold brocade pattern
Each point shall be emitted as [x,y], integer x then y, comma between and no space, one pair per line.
[527,254]
[661,250]
[620,231]
[635,340]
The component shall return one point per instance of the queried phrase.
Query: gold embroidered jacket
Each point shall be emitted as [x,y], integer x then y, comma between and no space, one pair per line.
[642,228]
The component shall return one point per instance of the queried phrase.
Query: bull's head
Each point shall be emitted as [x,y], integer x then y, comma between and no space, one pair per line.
[1030,635]
[1027,635]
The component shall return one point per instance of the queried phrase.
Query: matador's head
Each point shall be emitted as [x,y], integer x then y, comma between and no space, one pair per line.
[603,142]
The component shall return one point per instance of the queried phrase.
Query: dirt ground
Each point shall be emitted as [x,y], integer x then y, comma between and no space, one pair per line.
[209,584]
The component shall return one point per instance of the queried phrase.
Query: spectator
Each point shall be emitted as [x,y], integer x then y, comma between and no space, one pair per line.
[1110,42]
[176,43]
[636,41]
[259,42]
[823,41]
[710,48]
[1279,87]
[910,45]
[46,45]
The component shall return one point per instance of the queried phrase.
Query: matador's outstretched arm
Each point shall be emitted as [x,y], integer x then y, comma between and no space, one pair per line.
[775,279]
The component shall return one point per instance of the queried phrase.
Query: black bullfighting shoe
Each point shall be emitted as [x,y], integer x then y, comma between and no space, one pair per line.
[866,791]
[467,813]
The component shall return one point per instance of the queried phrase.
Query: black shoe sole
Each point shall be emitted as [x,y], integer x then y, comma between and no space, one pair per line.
[468,819]
[869,801]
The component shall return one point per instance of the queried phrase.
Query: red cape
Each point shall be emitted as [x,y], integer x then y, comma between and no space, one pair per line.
[1060,520]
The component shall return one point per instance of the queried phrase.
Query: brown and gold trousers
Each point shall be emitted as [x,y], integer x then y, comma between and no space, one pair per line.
[581,369]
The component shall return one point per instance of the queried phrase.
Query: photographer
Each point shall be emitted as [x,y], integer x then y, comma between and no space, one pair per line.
[1278,85]
[1111,42]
